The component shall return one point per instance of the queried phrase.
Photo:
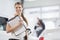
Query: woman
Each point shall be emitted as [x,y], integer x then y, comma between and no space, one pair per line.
[39,27]
[11,27]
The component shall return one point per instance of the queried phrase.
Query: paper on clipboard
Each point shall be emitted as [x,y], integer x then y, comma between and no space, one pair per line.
[14,22]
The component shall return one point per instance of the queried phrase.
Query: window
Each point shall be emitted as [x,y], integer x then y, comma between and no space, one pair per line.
[50,8]
[51,13]
[49,24]
[3,22]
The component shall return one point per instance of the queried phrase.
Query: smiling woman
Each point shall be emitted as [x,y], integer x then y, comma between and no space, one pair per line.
[17,25]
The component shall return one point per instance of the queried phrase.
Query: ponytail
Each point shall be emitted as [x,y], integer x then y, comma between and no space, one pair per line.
[24,18]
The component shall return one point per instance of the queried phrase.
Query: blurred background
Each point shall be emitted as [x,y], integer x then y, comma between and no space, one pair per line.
[47,10]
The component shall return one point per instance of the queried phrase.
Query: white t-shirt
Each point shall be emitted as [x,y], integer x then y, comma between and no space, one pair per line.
[20,31]
[38,28]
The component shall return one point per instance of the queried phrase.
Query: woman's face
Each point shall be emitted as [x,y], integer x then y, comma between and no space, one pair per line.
[18,8]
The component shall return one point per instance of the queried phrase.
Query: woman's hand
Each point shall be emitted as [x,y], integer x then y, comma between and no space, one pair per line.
[21,22]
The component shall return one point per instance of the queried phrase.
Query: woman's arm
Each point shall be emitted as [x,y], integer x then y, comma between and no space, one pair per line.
[11,29]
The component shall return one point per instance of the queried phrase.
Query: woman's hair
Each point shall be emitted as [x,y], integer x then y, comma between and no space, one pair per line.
[24,18]
[41,22]
[18,3]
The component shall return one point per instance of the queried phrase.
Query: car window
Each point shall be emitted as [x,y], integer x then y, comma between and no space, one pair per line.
[3,22]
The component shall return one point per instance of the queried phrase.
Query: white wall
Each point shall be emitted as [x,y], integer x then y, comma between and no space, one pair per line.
[7,8]
[38,3]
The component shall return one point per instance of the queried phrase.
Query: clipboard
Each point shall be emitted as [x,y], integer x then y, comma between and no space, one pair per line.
[14,21]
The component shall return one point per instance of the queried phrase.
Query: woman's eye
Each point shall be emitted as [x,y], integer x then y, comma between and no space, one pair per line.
[16,7]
